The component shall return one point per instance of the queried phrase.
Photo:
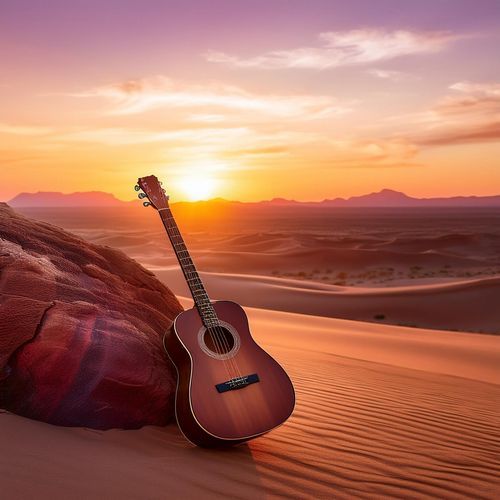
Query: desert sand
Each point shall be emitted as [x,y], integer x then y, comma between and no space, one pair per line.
[436,269]
[381,411]
[461,305]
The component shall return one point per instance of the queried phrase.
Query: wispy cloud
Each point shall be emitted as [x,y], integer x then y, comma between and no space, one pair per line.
[257,152]
[471,100]
[386,74]
[125,136]
[5,128]
[376,152]
[138,96]
[243,146]
[205,118]
[487,132]
[344,48]
[483,89]
[470,115]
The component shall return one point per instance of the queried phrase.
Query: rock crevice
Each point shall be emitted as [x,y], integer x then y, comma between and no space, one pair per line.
[80,348]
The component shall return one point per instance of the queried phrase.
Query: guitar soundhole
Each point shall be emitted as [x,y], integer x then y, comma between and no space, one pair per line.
[218,340]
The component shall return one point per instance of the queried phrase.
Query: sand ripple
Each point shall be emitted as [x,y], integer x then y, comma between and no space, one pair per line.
[361,429]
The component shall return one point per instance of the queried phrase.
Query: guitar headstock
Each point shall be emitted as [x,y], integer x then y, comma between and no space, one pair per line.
[153,191]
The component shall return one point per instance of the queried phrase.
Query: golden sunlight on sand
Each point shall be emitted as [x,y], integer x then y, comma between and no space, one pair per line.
[376,417]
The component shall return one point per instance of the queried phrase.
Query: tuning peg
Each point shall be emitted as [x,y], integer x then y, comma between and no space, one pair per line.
[146,204]
[141,195]
[137,187]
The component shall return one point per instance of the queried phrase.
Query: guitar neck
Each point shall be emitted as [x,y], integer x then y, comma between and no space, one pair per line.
[196,287]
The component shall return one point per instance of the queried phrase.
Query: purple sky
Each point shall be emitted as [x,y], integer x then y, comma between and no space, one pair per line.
[397,114]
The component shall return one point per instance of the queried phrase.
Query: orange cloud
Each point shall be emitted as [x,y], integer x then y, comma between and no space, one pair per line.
[371,153]
[277,150]
[5,128]
[123,136]
[472,115]
[483,133]
[479,99]
[138,96]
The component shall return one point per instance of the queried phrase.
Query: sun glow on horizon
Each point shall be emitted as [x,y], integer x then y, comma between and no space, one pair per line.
[198,185]
[200,180]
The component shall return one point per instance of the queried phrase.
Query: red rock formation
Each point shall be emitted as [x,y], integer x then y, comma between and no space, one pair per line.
[81,330]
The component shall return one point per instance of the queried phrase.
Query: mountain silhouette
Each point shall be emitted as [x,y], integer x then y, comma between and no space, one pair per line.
[55,199]
[385,198]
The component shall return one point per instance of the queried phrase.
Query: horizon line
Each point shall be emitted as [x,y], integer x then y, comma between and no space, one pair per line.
[275,199]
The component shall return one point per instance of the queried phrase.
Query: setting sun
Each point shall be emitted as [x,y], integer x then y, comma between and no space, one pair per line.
[198,186]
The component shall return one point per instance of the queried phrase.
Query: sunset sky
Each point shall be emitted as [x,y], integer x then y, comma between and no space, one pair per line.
[250,100]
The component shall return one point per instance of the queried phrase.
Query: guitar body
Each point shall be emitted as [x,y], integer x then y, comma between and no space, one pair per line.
[229,390]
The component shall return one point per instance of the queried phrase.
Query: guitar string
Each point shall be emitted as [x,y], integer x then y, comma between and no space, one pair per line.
[190,276]
[221,344]
[217,329]
[188,273]
[217,344]
[219,340]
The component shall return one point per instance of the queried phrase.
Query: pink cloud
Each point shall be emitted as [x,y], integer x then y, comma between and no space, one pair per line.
[344,48]
[386,74]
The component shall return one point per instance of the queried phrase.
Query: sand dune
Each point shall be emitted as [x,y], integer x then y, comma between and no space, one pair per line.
[349,248]
[367,425]
[465,305]
[382,411]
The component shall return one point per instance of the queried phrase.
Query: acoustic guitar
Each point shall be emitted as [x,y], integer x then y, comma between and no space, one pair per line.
[229,390]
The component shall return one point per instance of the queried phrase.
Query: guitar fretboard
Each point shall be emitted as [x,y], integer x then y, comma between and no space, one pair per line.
[196,287]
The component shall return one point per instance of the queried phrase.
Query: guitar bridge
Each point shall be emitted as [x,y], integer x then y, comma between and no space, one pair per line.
[237,383]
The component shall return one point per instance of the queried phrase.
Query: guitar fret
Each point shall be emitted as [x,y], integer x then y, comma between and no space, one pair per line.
[200,297]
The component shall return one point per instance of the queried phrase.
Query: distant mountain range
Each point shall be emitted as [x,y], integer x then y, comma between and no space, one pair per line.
[58,200]
[391,198]
[385,198]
